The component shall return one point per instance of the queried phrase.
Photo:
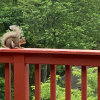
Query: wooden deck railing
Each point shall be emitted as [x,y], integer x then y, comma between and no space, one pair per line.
[21,58]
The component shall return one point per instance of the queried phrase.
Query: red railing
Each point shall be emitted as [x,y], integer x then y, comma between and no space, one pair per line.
[21,58]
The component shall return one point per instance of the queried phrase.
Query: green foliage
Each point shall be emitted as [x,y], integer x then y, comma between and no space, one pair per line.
[75,93]
[2,89]
[60,69]
[2,82]
[91,80]
[45,90]
[71,24]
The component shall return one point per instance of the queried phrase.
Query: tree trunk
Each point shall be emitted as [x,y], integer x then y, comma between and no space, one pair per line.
[43,73]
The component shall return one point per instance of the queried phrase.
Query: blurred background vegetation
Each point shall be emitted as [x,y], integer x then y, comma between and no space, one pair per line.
[70,24]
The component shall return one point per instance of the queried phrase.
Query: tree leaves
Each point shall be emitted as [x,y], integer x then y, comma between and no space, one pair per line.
[63,24]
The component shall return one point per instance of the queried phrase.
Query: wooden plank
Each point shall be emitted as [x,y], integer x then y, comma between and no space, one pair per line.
[63,59]
[67,82]
[27,81]
[7,81]
[50,51]
[6,58]
[21,78]
[53,56]
[52,82]
[37,82]
[84,83]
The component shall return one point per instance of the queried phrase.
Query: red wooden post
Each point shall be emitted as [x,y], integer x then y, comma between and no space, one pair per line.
[21,78]
[37,82]
[84,83]
[53,82]
[68,83]
[7,81]
[27,81]
[99,83]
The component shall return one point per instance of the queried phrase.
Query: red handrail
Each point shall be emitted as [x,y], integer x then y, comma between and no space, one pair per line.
[22,57]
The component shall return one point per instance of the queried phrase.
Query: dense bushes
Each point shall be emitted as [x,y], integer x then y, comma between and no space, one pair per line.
[75,93]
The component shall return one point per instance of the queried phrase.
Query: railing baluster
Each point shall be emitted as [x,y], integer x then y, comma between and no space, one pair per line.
[53,82]
[84,83]
[99,83]
[68,82]
[7,81]
[37,82]
[21,78]
[27,81]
